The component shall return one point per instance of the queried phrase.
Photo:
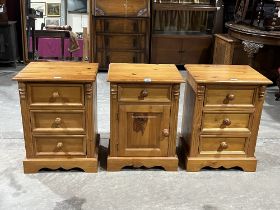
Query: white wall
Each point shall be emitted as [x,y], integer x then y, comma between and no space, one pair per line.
[76,21]
[39,21]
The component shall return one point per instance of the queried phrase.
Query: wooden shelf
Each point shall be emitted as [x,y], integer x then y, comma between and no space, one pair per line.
[119,34]
[121,50]
[180,35]
[185,6]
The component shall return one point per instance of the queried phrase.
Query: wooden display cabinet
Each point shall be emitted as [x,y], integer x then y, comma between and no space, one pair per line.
[221,116]
[182,31]
[58,106]
[121,32]
[144,109]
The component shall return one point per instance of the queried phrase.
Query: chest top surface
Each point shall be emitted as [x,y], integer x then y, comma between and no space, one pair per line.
[58,72]
[224,74]
[144,73]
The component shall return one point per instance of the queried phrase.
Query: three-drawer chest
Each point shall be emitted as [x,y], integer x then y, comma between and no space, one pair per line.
[221,116]
[58,105]
[144,112]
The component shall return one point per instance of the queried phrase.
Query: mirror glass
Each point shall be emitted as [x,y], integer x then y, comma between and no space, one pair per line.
[57,30]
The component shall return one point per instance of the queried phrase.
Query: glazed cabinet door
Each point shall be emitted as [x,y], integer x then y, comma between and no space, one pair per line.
[143,130]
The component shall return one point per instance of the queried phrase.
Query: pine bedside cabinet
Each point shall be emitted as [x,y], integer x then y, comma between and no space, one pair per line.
[221,116]
[144,112]
[58,106]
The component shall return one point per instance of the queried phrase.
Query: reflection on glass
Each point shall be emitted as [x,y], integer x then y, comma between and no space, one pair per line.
[180,21]
[57,30]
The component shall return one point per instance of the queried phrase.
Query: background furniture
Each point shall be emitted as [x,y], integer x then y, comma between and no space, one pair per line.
[58,103]
[3,11]
[62,34]
[253,40]
[144,113]
[228,50]
[121,31]
[262,14]
[222,111]
[8,42]
[52,48]
[182,31]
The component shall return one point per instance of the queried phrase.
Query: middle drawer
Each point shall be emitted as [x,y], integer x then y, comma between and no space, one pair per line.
[46,121]
[145,93]
[224,121]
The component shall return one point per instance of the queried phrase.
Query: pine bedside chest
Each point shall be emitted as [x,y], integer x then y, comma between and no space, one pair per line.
[144,112]
[58,106]
[222,111]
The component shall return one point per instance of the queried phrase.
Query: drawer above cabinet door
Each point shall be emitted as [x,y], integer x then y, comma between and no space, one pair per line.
[51,121]
[123,8]
[226,122]
[121,25]
[143,130]
[53,146]
[230,96]
[71,95]
[144,93]
[222,146]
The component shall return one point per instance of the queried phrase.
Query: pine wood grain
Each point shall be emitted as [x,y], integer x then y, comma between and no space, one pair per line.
[59,115]
[225,74]
[221,116]
[58,72]
[137,73]
[143,116]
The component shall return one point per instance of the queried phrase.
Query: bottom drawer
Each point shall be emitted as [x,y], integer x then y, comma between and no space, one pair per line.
[49,145]
[222,145]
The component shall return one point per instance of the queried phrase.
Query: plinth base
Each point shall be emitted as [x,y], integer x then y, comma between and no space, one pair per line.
[194,164]
[117,163]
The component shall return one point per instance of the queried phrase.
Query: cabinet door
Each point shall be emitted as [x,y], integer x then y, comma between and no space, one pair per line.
[143,130]
[166,50]
[197,49]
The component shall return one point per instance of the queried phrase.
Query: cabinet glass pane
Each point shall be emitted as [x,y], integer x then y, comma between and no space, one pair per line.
[180,21]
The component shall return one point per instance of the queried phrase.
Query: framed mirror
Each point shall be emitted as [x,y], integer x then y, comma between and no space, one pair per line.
[56,30]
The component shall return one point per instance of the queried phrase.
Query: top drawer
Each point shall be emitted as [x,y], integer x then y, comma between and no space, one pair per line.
[124,8]
[56,95]
[144,93]
[230,96]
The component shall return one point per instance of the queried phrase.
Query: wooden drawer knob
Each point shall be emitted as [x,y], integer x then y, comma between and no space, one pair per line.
[55,94]
[59,145]
[230,97]
[224,145]
[226,122]
[57,121]
[165,132]
[144,93]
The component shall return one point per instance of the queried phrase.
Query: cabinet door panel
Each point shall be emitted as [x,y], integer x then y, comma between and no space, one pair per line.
[166,50]
[144,130]
[197,49]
